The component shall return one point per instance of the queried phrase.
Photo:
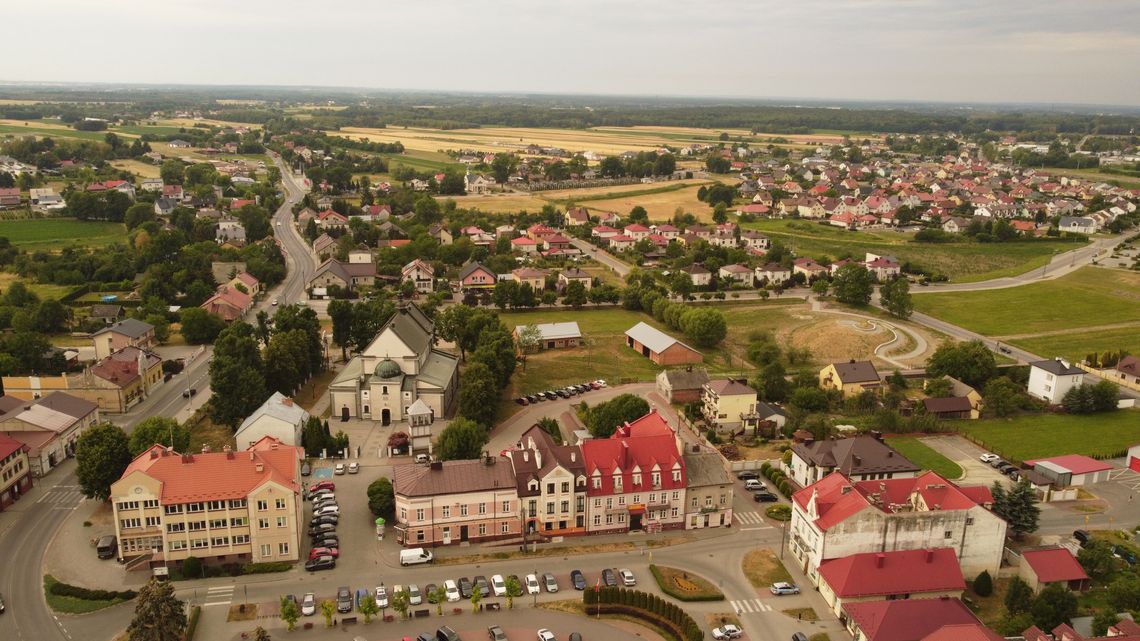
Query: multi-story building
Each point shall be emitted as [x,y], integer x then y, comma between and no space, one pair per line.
[636,478]
[15,471]
[551,482]
[709,491]
[862,458]
[49,427]
[835,518]
[729,404]
[447,502]
[220,507]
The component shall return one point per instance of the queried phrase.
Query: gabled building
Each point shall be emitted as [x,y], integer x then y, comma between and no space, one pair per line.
[862,458]
[420,274]
[1046,566]
[574,275]
[551,482]
[682,385]
[48,428]
[851,378]
[476,276]
[129,332]
[660,347]
[709,490]
[729,404]
[130,373]
[904,620]
[1051,380]
[278,417]
[15,471]
[228,303]
[888,576]
[348,276]
[481,502]
[555,335]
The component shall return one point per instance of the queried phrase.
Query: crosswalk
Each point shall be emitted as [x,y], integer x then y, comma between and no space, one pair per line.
[749,606]
[750,518]
[220,595]
[62,497]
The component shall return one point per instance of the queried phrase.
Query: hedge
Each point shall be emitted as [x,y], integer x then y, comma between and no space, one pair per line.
[266,568]
[677,593]
[666,616]
[64,589]
[192,622]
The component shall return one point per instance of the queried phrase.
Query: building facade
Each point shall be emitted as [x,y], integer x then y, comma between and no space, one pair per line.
[551,484]
[15,471]
[49,427]
[448,502]
[709,492]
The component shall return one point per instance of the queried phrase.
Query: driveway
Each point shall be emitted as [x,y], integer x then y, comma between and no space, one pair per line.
[965,454]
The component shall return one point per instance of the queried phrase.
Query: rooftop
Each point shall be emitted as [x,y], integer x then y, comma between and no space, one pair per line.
[453,477]
[907,620]
[899,572]
[555,331]
[1071,463]
[130,327]
[853,456]
[1054,564]
[834,498]
[1058,367]
[856,372]
[653,338]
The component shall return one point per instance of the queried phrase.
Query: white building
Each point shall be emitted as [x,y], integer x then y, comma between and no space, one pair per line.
[1051,380]
[278,417]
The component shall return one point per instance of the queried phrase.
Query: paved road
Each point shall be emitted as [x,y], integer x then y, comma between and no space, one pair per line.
[603,257]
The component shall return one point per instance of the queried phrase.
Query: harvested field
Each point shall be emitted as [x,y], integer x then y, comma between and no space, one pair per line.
[838,339]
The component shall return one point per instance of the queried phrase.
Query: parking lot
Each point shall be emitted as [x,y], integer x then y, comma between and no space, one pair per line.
[965,454]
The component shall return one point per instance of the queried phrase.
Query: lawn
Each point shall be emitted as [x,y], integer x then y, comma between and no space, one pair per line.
[684,586]
[48,129]
[70,604]
[925,457]
[55,233]
[44,291]
[763,568]
[1077,345]
[1041,435]
[1088,297]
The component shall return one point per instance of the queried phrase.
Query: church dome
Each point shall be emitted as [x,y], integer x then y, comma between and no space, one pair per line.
[388,368]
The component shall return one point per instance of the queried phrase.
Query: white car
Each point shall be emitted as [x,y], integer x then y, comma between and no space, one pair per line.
[339,469]
[353,468]
[309,604]
[414,596]
[328,509]
[726,632]
[498,585]
[782,588]
[627,577]
[381,597]
[452,590]
[532,586]
[601,382]
[988,458]
[546,635]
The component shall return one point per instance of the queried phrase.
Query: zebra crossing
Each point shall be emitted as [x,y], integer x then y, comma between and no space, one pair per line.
[749,606]
[62,497]
[750,518]
[220,595]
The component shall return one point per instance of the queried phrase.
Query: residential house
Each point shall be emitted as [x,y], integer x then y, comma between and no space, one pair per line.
[556,242]
[851,378]
[808,267]
[278,417]
[955,225]
[604,231]
[660,347]
[48,428]
[554,335]
[883,268]
[709,490]
[1128,370]
[699,276]
[1051,380]
[108,314]
[836,517]
[729,405]
[476,276]
[772,418]
[229,229]
[448,502]
[755,240]
[738,274]
[477,184]
[576,216]
[906,620]
[524,245]
[888,576]
[228,303]
[536,278]
[247,281]
[1077,225]
[232,507]
[574,275]
[636,231]
[323,244]
[621,242]
[329,219]
[1046,566]
[420,274]
[682,385]
[861,458]
[773,273]
[1123,630]
[636,478]
[15,471]
[551,482]
[174,192]
[164,206]
[131,372]
[152,185]
[9,196]
[348,276]
[441,234]
[948,408]
[129,332]
[958,389]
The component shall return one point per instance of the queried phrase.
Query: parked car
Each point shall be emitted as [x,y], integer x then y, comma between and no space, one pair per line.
[522,400]
[480,582]
[452,590]
[326,541]
[532,586]
[1124,554]
[465,587]
[328,509]
[353,467]
[578,580]
[1082,536]
[308,604]
[764,496]
[751,485]
[362,595]
[549,582]
[327,519]
[727,632]
[343,599]
[1006,468]
[321,529]
[423,458]
[498,585]
[627,578]
[799,636]
[414,595]
[988,457]
[430,593]
[609,578]
[546,635]
[747,475]
[574,636]
[339,469]
[323,485]
[381,597]
[998,462]
[495,633]
[325,500]
[601,382]
[782,588]
[323,551]
[305,469]
[445,633]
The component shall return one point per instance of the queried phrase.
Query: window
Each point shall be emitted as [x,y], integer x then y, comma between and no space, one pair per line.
[598,503]
[505,527]
[565,506]
[693,503]
[506,507]
[617,482]
[482,529]
[419,536]
[280,504]
[969,520]
[597,519]
[621,500]
[196,526]
[174,509]
[282,521]
[217,524]
[239,521]
[193,507]
[673,512]
[676,496]
[171,528]
[262,505]
[708,501]
[532,508]
[597,483]
[550,507]
[220,541]
[283,548]
[128,505]
[237,504]
[676,476]
[177,545]
[420,514]
[463,510]
[653,497]
[550,488]
[266,549]
[198,544]
[637,498]
[447,511]
[609,519]
[566,486]
[263,524]
[609,503]
[153,521]
[723,499]
[241,539]
[948,534]
[482,508]
[130,523]
[637,479]
[216,505]
[621,517]
[656,478]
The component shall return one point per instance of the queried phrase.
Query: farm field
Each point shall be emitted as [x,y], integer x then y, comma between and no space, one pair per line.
[925,457]
[46,128]
[1089,297]
[1035,436]
[55,233]
[962,262]
[659,199]
[139,168]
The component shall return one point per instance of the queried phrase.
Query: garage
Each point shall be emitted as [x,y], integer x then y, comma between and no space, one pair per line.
[1073,470]
[1134,457]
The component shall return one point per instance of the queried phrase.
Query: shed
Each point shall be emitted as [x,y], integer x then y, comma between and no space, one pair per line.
[660,347]
[1072,470]
[1045,566]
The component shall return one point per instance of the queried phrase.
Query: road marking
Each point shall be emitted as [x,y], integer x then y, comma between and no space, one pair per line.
[751,518]
[220,592]
[750,606]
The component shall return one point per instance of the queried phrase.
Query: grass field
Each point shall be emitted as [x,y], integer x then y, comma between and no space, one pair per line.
[763,568]
[139,168]
[1036,436]
[43,291]
[1088,297]
[55,233]
[40,128]
[926,457]
[660,200]
[1076,346]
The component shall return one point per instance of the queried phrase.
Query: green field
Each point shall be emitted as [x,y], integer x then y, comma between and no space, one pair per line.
[421,161]
[54,233]
[51,132]
[1088,297]
[962,262]
[1076,346]
[926,457]
[1041,435]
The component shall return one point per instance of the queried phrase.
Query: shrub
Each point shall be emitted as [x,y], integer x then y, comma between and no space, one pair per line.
[192,622]
[192,567]
[764,467]
[983,585]
[74,591]
[266,568]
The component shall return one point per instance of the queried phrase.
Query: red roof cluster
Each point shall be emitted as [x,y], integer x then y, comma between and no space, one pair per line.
[648,444]
[219,475]
[909,619]
[837,498]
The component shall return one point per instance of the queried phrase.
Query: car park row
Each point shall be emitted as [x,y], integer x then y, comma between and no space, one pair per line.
[565,392]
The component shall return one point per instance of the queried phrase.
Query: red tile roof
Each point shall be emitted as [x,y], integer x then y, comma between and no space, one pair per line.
[837,498]
[907,620]
[8,445]
[1054,564]
[1075,463]
[963,632]
[900,572]
[219,475]
[644,443]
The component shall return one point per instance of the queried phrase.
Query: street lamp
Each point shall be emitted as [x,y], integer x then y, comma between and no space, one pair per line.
[536,591]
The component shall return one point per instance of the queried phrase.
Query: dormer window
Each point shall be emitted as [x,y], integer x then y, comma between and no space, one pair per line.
[676,476]
[597,483]
[657,478]
[637,479]
[532,486]
[617,482]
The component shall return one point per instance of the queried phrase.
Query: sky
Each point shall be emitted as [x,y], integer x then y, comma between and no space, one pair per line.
[1044,51]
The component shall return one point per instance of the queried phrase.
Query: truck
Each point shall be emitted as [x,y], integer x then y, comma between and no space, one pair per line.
[412,556]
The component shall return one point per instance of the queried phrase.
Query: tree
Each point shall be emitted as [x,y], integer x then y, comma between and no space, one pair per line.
[192,567]
[513,588]
[1097,560]
[720,194]
[1103,620]
[236,375]
[438,596]
[161,327]
[969,362]
[381,498]
[720,214]
[983,585]
[1018,596]
[328,611]
[504,294]
[575,295]
[1003,396]
[101,455]
[705,325]
[368,608]
[1017,506]
[476,597]
[895,298]
[159,429]
[604,418]
[1124,593]
[939,388]
[771,382]
[808,399]
[503,166]
[290,613]
[462,439]
[529,338]
[1053,606]
[400,602]
[159,615]
[478,394]
[199,326]
[852,284]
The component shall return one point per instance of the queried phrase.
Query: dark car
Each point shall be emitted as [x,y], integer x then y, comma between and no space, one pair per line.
[324,528]
[445,633]
[747,475]
[534,398]
[585,387]
[425,636]
[305,469]
[1124,554]
[343,599]
[522,400]
[574,636]
[517,585]
[328,519]
[609,578]
[321,563]
[430,592]
[578,580]
[998,462]
[326,541]
[465,587]
[764,496]
[563,393]
[482,585]
[495,633]
[1082,536]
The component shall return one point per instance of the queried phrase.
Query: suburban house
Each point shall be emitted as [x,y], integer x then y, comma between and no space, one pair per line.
[1051,380]
[479,502]
[809,268]
[906,619]
[1128,370]
[441,234]
[709,490]
[736,273]
[228,303]
[227,506]
[48,428]
[420,274]
[574,275]
[773,273]
[247,281]
[536,278]
[836,517]
[131,373]
[551,484]
[1077,225]
[729,404]
[348,276]
[279,417]
[1072,470]
[107,313]
[698,275]
[660,347]
[888,576]
[773,415]
[9,196]
[476,276]
[164,206]
[1123,630]
[682,385]
[15,471]
[860,458]
[1046,566]
[129,332]
[554,335]
[397,368]
[636,478]
[967,402]
[851,378]
[524,245]
[576,216]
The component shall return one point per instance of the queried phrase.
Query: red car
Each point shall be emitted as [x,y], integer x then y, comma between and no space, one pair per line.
[315,552]
[323,485]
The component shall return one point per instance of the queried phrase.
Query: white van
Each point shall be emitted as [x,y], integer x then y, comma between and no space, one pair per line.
[412,556]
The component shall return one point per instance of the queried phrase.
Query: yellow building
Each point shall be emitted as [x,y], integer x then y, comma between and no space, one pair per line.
[851,378]
[729,404]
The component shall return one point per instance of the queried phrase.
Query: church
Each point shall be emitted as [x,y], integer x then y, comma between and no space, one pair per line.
[400,375]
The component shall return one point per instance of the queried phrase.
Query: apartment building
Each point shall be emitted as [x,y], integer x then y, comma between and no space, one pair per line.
[448,502]
[551,482]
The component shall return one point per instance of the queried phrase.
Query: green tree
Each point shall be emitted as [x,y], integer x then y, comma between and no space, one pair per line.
[1103,620]
[159,429]
[938,388]
[368,608]
[513,588]
[1053,606]
[192,567]
[159,615]
[704,325]
[381,498]
[575,295]
[476,597]
[529,338]
[52,316]
[161,327]
[852,284]
[1018,507]
[504,294]
[895,298]
[1124,593]
[328,611]
[236,375]
[290,613]
[1003,397]
[503,166]
[983,584]
[478,394]
[1097,560]
[200,326]
[462,439]
[400,602]
[438,596]
[1018,596]
[969,362]
[604,418]
[720,213]
[808,399]
[101,455]
[341,313]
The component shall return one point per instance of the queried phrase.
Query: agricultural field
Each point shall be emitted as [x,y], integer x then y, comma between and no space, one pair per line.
[142,169]
[1089,297]
[1076,345]
[1042,435]
[963,262]
[660,200]
[56,233]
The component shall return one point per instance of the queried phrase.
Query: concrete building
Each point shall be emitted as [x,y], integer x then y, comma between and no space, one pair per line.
[1072,470]
[278,417]
[448,502]
[682,385]
[888,576]
[130,332]
[551,482]
[862,458]
[220,507]
[1046,566]
[49,427]
[15,471]
[729,405]
[1051,380]
[660,347]
[851,378]
[709,490]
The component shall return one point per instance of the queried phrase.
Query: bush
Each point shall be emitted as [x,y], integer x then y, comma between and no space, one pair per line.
[671,620]
[764,467]
[779,512]
[983,585]
[192,568]
[74,591]
[266,568]
[192,622]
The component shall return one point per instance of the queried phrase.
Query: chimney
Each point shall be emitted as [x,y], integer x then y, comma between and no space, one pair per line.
[205,448]
[857,460]
[153,454]
[229,453]
[930,556]
[880,559]
[288,402]
[259,468]
[251,456]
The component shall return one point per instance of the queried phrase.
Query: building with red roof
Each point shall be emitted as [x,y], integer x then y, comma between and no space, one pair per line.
[636,478]
[878,576]
[15,470]
[241,507]
[963,632]
[1124,630]
[1045,566]
[904,620]
[228,302]
[836,517]
[1071,470]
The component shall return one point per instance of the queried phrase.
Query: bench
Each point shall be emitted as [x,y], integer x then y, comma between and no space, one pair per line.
[419,614]
[348,621]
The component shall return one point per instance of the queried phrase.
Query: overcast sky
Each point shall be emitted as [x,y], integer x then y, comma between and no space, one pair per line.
[940,50]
